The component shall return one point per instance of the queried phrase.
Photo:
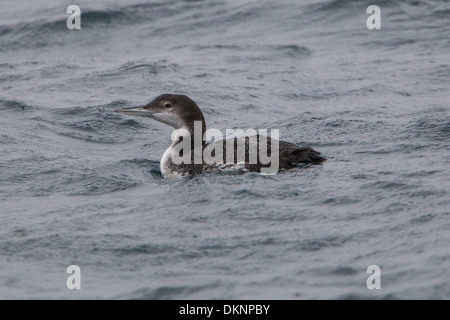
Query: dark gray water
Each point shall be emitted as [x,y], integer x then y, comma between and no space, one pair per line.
[80,184]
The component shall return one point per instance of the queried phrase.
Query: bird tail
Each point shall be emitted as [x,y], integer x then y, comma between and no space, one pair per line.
[307,155]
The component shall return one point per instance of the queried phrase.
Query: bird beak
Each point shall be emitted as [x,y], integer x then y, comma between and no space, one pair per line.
[136,111]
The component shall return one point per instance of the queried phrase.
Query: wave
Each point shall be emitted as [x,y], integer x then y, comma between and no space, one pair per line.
[169,292]
[14,105]
[97,124]
[44,33]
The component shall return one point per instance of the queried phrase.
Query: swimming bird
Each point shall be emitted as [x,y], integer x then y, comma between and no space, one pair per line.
[183,114]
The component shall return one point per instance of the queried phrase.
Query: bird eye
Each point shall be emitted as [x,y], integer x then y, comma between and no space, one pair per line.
[167,105]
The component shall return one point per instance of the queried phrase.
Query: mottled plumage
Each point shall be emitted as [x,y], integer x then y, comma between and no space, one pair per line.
[180,112]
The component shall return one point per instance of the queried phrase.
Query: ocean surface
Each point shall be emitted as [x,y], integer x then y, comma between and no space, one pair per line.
[81,184]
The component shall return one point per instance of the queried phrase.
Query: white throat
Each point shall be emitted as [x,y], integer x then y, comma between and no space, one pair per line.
[166,170]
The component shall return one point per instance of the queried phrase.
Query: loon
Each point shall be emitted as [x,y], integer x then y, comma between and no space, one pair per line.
[182,113]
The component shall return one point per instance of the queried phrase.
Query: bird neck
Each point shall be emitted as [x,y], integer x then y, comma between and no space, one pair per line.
[194,132]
